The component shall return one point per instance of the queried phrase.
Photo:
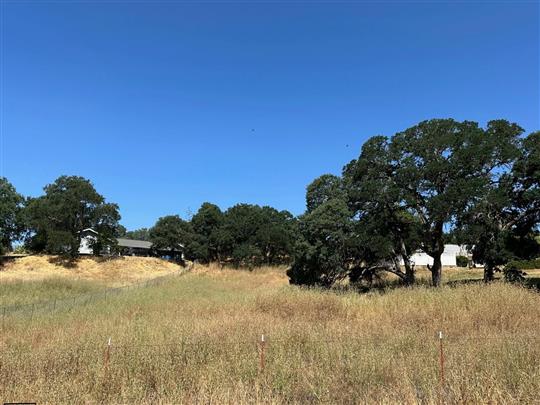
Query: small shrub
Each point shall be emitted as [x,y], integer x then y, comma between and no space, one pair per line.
[513,274]
[525,264]
[462,261]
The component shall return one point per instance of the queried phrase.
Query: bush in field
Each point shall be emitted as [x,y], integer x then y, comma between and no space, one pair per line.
[462,261]
[525,264]
[513,274]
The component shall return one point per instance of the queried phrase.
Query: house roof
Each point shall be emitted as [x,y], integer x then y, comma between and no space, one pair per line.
[133,243]
[450,249]
[89,230]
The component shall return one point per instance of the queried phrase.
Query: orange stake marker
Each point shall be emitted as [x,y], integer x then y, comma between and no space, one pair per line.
[262,359]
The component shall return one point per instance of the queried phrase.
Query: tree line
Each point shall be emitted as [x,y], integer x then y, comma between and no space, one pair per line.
[243,235]
[439,181]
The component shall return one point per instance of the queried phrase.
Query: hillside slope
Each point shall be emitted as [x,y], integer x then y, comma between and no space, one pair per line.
[115,271]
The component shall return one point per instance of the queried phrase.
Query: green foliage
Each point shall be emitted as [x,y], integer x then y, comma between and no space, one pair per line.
[500,226]
[244,235]
[462,261]
[70,205]
[513,274]
[208,243]
[323,189]
[170,233]
[325,245]
[444,166]
[410,191]
[439,181]
[138,234]
[262,232]
[11,226]
[387,231]
[246,254]
[525,264]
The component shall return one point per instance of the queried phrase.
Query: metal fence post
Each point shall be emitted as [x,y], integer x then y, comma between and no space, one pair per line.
[441,366]
[262,355]
[107,355]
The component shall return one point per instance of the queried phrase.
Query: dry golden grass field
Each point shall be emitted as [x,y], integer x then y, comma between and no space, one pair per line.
[193,339]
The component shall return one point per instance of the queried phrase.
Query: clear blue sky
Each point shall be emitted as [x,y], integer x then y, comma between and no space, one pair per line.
[167,105]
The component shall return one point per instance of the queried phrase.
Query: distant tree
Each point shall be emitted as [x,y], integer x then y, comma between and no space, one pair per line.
[105,223]
[245,235]
[241,223]
[138,234]
[245,254]
[121,231]
[196,248]
[170,232]
[323,189]
[275,235]
[11,226]
[207,244]
[325,246]
[70,205]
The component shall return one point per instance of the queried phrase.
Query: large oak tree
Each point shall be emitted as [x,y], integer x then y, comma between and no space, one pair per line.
[441,167]
[70,205]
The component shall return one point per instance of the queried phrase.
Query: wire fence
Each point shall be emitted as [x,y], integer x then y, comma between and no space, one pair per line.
[289,341]
[114,366]
[81,299]
[264,350]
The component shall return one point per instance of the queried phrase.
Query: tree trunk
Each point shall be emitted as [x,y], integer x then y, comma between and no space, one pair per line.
[489,273]
[436,252]
[409,271]
[436,270]
[409,268]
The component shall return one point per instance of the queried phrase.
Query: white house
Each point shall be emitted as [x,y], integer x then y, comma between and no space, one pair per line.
[88,238]
[128,247]
[448,257]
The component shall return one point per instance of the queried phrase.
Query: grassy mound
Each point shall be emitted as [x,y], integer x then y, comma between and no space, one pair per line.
[113,271]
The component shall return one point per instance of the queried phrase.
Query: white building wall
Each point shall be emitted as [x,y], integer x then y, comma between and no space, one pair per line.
[85,248]
[448,258]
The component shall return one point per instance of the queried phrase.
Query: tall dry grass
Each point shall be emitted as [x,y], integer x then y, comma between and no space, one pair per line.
[194,339]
